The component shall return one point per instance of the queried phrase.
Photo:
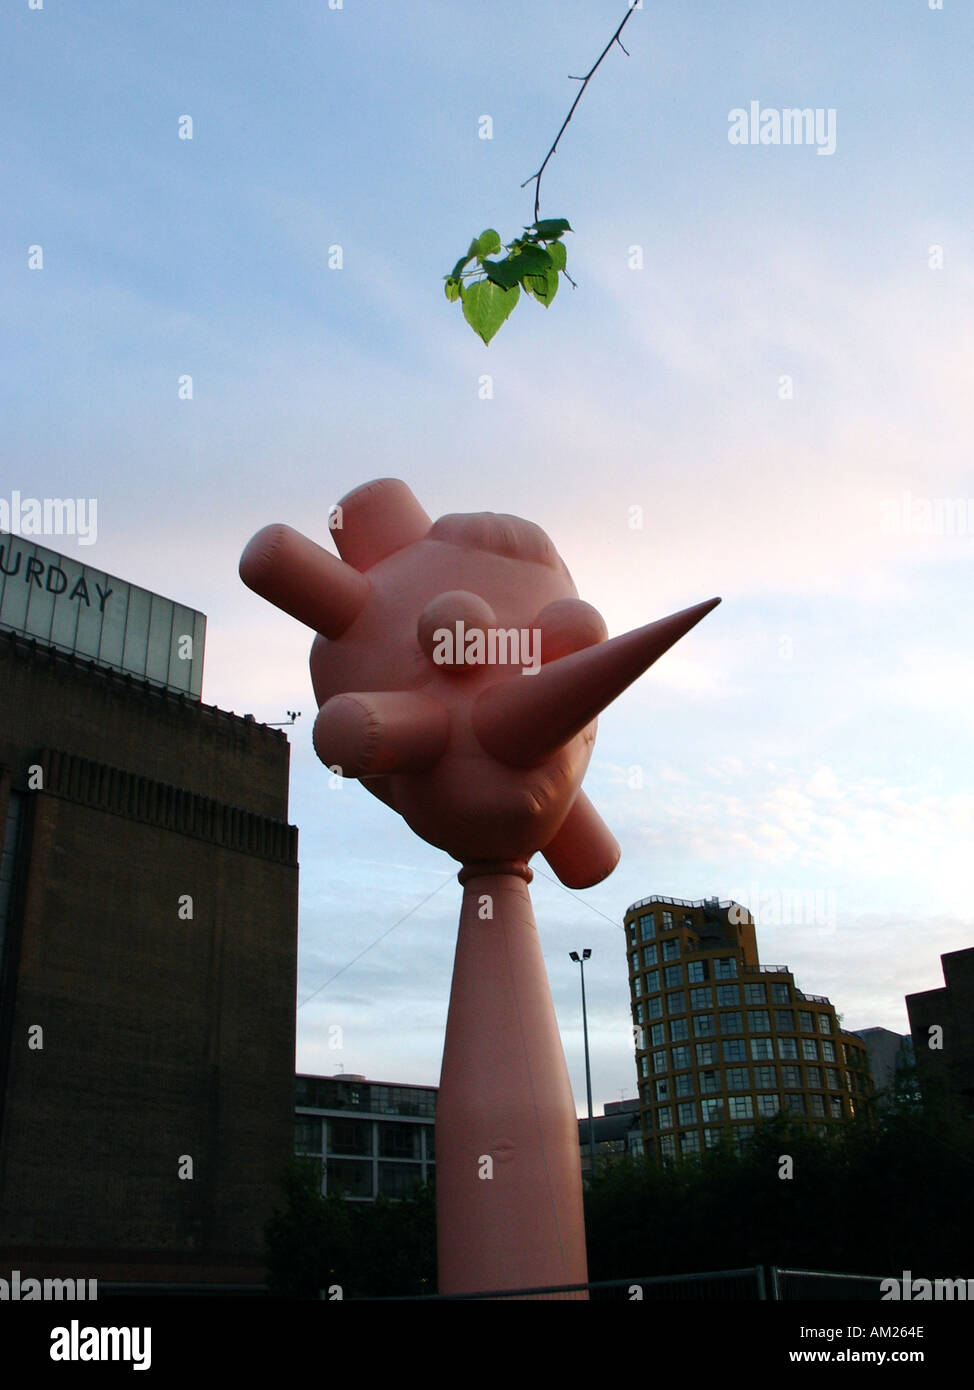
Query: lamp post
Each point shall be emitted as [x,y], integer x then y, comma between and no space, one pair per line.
[581,959]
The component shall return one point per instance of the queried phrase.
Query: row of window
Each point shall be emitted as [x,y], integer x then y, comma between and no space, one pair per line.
[362,1138]
[647,926]
[739,1107]
[739,1079]
[690,1139]
[732,1049]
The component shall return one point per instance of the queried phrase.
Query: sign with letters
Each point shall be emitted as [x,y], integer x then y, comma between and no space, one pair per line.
[80,609]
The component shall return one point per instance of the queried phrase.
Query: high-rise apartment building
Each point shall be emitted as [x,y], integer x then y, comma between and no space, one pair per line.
[723,1041]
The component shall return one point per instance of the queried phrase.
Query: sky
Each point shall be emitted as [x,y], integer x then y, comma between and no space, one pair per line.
[759,389]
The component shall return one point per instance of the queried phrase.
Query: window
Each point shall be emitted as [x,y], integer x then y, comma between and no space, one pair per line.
[649,955]
[676,1003]
[810,1049]
[631,933]
[354,1179]
[755,994]
[835,1107]
[681,1057]
[735,1050]
[664,1117]
[848,1081]
[765,1079]
[634,958]
[647,927]
[828,1051]
[725,968]
[637,986]
[712,1109]
[667,921]
[659,1061]
[740,1107]
[703,1026]
[817,1104]
[781,994]
[640,1014]
[796,1104]
[663,1089]
[667,1146]
[644,1065]
[731,1022]
[737,1079]
[307,1135]
[671,950]
[824,1023]
[784,1020]
[652,981]
[679,1032]
[806,1020]
[656,1035]
[655,1006]
[761,1049]
[673,975]
[683,1084]
[709,1081]
[758,1021]
[686,1114]
[790,1076]
[832,1078]
[711,1138]
[787,1048]
[813,1077]
[697,971]
[706,1054]
[350,1137]
[728,994]
[768,1105]
[690,1142]
[701,998]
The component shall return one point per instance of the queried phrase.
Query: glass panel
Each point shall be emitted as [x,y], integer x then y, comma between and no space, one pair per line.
[348,1177]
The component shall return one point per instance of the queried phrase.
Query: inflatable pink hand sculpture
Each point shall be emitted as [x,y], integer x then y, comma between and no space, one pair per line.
[458,675]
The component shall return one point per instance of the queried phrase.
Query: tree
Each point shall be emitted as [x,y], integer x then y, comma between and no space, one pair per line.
[490,291]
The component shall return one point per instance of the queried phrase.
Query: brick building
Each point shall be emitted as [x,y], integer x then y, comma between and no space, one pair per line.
[148,935]
[723,1041]
[942,1025]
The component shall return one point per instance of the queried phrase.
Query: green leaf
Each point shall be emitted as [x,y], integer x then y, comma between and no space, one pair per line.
[486,244]
[501,272]
[530,260]
[551,227]
[558,254]
[455,272]
[543,286]
[486,305]
[452,288]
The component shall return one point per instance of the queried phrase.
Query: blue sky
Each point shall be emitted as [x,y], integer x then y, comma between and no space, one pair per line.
[814,734]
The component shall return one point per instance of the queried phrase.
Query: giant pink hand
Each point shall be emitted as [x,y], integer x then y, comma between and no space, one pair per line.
[482,760]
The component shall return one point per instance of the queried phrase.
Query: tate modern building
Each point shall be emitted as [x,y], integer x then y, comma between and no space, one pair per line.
[148,936]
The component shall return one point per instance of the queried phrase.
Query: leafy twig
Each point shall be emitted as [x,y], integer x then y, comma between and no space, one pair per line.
[536,178]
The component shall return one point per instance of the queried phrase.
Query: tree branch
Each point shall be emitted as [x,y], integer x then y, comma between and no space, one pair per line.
[536,178]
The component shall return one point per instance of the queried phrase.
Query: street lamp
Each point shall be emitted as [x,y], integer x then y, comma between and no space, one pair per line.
[580,960]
